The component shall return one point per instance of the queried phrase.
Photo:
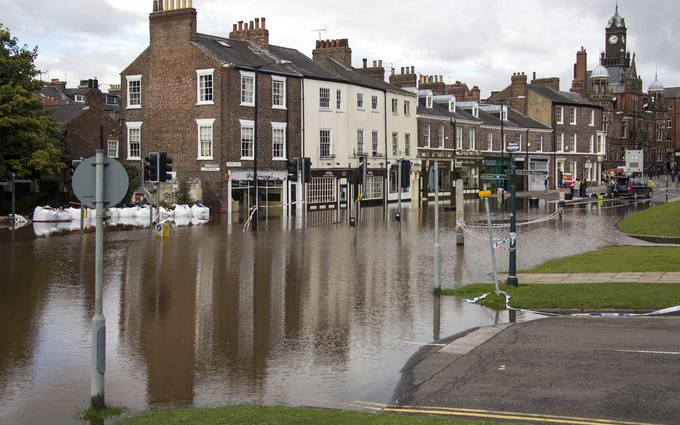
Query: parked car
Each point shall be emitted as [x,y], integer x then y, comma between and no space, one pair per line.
[632,187]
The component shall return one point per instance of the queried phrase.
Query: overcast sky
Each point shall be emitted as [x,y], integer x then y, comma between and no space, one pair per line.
[476,42]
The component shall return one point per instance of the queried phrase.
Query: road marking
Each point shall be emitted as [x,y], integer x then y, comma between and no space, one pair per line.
[435,344]
[490,414]
[672,353]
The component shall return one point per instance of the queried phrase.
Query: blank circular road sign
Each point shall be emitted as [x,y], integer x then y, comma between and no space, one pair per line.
[116,181]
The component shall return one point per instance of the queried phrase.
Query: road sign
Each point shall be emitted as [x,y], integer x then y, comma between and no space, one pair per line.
[116,182]
[494,177]
[484,193]
[588,164]
[532,172]
[513,147]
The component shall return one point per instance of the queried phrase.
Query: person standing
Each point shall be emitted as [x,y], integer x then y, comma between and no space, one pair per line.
[547,184]
[577,188]
[584,185]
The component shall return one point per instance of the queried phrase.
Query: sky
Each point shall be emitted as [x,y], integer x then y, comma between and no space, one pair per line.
[480,43]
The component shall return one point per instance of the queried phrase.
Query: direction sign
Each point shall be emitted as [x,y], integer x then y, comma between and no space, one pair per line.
[116,182]
[484,193]
[494,177]
[513,147]
[531,172]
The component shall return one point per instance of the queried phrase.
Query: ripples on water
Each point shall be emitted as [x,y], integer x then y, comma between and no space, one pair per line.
[318,315]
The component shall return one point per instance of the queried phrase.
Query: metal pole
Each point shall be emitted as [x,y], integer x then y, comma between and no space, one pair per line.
[502,149]
[399,189]
[98,334]
[255,183]
[512,273]
[437,248]
[14,201]
[491,245]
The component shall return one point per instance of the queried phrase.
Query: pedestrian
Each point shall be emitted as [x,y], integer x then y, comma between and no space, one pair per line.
[577,188]
[584,185]
[547,184]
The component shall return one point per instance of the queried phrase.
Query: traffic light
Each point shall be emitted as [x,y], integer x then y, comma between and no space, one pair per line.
[164,167]
[74,164]
[308,170]
[151,166]
[360,174]
[293,170]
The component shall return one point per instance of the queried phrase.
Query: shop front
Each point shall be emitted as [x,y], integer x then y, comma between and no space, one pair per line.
[272,192]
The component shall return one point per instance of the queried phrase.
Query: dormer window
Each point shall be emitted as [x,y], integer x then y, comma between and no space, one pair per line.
[452,106]
[428,102]
[475,111]
[79,98]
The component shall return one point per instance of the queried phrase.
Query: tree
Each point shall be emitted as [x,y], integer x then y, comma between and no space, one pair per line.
[30,143]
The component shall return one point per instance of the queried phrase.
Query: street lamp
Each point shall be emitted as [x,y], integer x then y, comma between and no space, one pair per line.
[255,179]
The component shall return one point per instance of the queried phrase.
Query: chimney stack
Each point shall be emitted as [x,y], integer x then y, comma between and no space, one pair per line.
[254,31]
[337,49]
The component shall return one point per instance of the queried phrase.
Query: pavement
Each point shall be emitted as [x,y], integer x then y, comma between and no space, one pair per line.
[570,369]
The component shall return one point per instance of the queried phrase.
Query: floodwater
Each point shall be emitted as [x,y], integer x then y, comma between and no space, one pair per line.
[316,314]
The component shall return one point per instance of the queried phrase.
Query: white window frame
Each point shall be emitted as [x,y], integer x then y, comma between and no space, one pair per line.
[360,141]
[112,148]
[375,142]
[472,136]
[591,121]
[247,88]
[326,133]
[428,102]
[205,93]
[572,116]
[279,129]
[591,145]
[489,141]
[459,137]
[360,100]
[440,136]
[324,97]
[395,143]
[134,98]
[560,142]
[559,115]
[280,102]
[539,143]
[338,99]
[374,103]
[407,108]
[573,143]
[395,106]
[205,138]
[427,139]
[407,144]
[600,143]
[134,128]
[248,125]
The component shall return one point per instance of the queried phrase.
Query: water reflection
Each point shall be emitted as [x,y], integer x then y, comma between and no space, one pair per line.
[319,315]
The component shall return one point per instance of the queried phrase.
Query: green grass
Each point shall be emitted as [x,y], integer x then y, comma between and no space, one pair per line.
[578,296]
[661,220]
[615,259]
[237,415]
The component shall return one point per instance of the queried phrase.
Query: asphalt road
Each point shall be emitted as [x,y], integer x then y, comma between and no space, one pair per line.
[568,370]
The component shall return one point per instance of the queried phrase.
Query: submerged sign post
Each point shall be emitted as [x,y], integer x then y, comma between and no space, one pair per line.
[97,181]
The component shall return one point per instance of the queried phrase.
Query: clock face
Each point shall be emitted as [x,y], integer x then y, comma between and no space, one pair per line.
[613,39]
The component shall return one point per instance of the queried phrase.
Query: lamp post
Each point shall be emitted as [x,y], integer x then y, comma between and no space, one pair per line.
[502,146]
[255,101]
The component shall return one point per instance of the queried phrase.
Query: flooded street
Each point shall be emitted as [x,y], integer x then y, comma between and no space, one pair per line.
[319,314]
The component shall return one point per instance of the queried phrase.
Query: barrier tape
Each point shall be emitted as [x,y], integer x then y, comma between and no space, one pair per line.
[507,296]
[251,213]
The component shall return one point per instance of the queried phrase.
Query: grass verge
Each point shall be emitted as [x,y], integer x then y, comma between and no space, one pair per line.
[615,259]
[248,415]
[661,220]
[623,296]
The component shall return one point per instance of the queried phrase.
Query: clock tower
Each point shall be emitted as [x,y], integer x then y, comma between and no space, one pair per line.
[615,53]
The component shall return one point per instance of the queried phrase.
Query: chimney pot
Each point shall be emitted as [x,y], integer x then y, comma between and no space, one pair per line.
[257,23]
[413,69]
[252,25]
[380,63]
[365,60]
[262,20]
[240,25]
[402,70]
[375,64]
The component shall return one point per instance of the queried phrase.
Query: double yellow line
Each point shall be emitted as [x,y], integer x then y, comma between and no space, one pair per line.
[511,416]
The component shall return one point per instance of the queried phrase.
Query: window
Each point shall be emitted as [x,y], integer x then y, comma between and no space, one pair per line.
[539,143]
[247,88]
[134,91]
[205,138]
[338,99]
[360,142]
[324,97]
[325,143]
[407,108]
[426,135]
[459,137]
[360,100]
[79,98]
[440,136]
[204,86]
[560,142]
[279,140]
[374,103]
[572,143]
[395,106]
[591,120]
[660,132]
[321,190]
[428,102]
[489,141]
[112,148]
[278,92]
[572,116]
[591,144]
[624,129]
[600,138]
[395,144]
[472,134]
[373,187]
[559,115]
[247,139]
[374,143]
[669,123]
[134,139]
[407,144]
